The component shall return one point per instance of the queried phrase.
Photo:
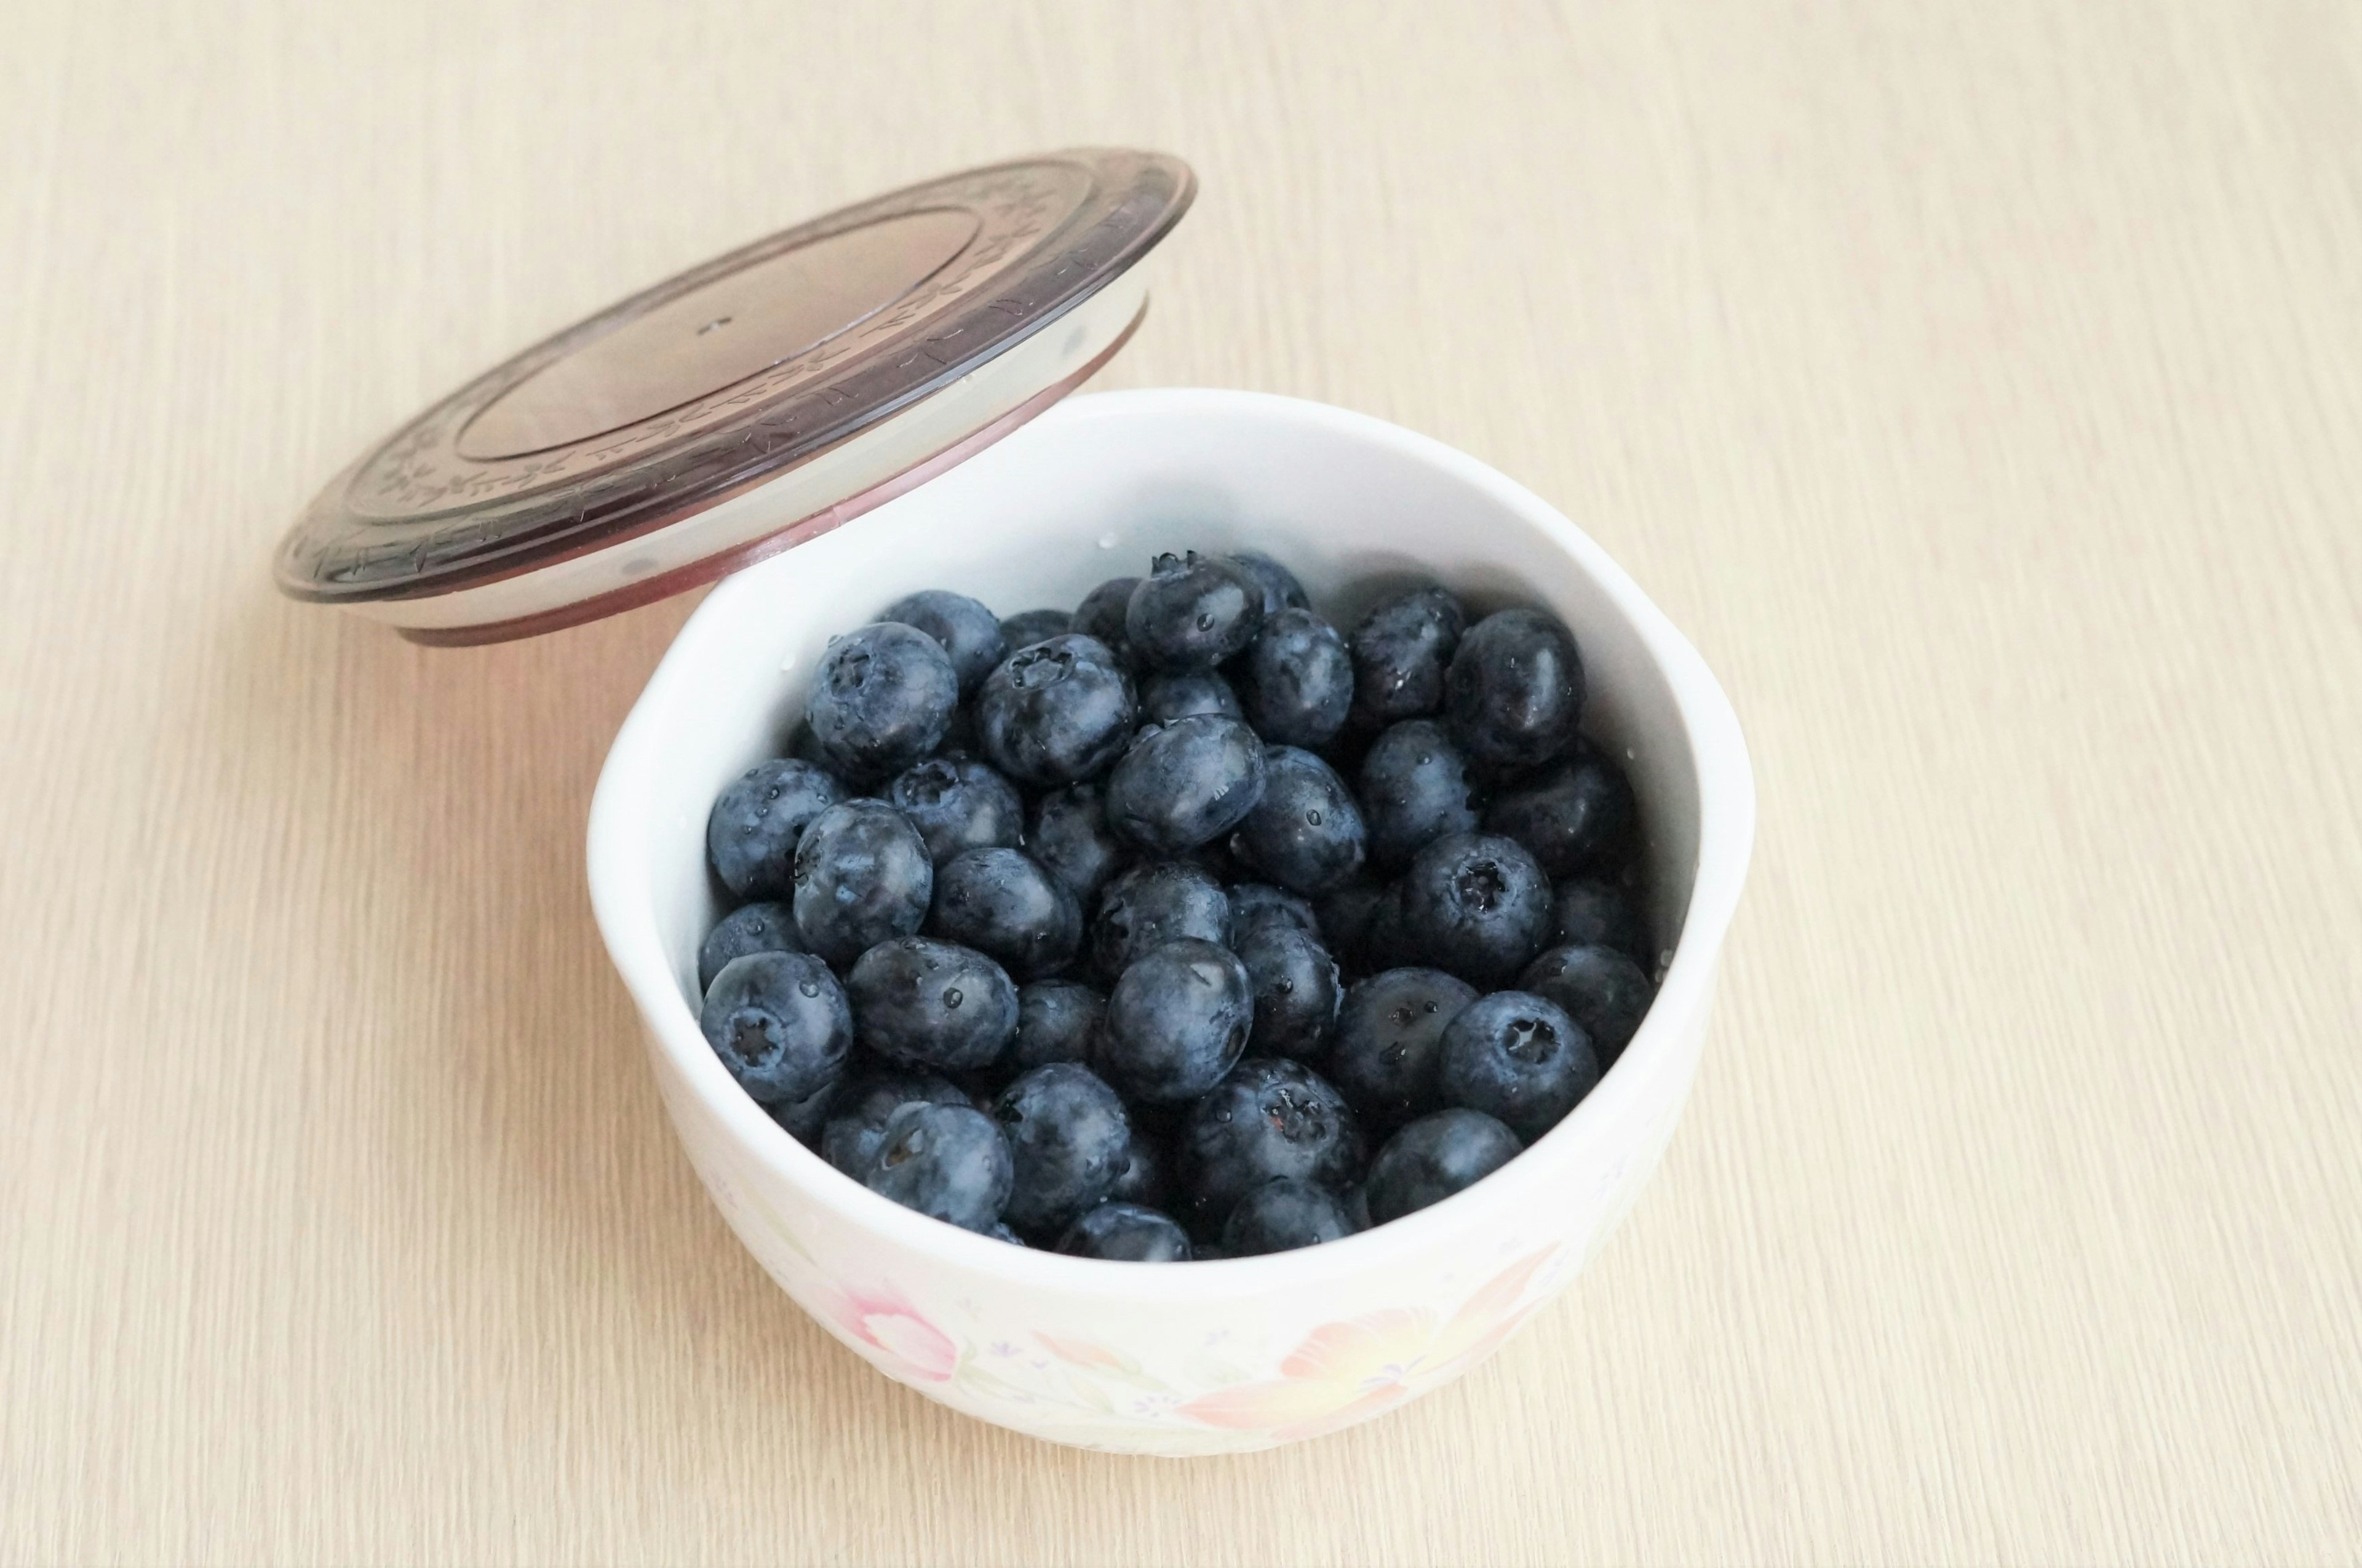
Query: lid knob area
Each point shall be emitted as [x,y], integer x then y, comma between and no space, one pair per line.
[744,405]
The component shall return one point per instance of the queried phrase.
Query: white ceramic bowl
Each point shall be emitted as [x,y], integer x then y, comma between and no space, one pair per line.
[1196,1358]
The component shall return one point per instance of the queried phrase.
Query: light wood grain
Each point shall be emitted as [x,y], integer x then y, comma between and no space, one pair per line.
[1976,383]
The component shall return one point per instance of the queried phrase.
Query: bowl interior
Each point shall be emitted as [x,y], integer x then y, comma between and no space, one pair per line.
[1095,488]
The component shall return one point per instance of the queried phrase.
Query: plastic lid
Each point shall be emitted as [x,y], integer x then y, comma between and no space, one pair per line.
[744,406]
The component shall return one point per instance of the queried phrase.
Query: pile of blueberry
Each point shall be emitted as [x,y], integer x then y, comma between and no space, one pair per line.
[1070,929]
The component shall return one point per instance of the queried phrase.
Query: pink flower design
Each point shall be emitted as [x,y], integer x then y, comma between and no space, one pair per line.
[1345,1372]
[883,1320]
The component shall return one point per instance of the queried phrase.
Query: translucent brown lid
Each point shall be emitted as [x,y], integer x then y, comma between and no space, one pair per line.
[744,406]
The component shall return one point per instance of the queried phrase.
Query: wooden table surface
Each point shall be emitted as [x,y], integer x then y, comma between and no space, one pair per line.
[1978,386]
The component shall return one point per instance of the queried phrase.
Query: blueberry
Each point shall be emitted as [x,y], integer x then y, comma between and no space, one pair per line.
[1067,1134]
[1280,588]
[1434,1157]
[1193,612]
[1297,989]
[1126,1232]
[919,1002]
[948,1162]
[1142,1177]
[1518,1057]
[1070,836]
[803,1119]
[1513,695]
[1600,988]
[862,875]
[1153,903]
[1177,694]
[804,747]
[1057,1021]
[1253,903]
[1269,1120]
[1056,711]
[1587,912]
[1101,612]
[1476,905]
[756,928]
[1387,1051]
[1346,911]
[968,632]
[1305,832]
[862,1104]
[1001,1232]
[1176,1021]
[778,1022]
[1280,1216]
[1579,816]
[884,696]
[1183,784]
[1415,789]
[1295,681]
[1400,652]
[1003,904]
[1027,627]
[957,804]
[751,835]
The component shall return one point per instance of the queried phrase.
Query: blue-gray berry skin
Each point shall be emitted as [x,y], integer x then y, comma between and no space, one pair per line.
[779,1023]
[803,1119]
[1297,990]
[1346,912]
[1401,650]
[1176,1021]
[1513,693]
[1386,1053]
[1434,1157]
[1057,1021]
[1415,788]
[1305,832]
[1027,627]
[1126,1232]
[863,1104]
[969,633]
[1587,912]
[1143,1179]
[1577,817]
[1068,1134]
[883,698]
[1055,712]
[1474,904]
[1186,783]
[1101,613]
[1177,694]
[752,833]
[1003,904]
[1068,833]
[1253,903]
[1519,1058]
[1269,1120]
[863,874]
[755,928]
[948,1162]
[919,1002]
[1151,904]
[1600,988]
[1193,612]
[1280,1216]
[1295,681]
[958,803]
[1280,588]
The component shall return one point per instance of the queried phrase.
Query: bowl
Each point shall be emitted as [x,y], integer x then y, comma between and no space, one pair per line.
[1173,1358]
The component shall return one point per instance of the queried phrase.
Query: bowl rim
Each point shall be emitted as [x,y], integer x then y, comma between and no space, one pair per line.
[624,908]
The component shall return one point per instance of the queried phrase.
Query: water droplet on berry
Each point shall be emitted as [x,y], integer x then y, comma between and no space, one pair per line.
[809,987]
[1206,621]
[1312,817]
[952,997]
